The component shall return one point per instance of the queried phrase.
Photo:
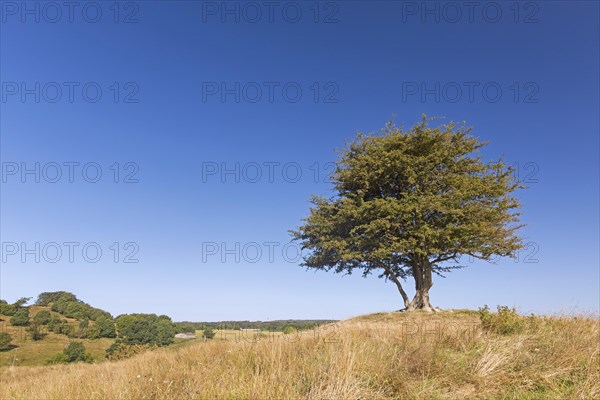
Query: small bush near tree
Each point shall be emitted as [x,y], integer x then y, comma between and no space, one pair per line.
[36,330]
[208,333]
[505,321]
[74,352]
[120,350]
[289,329]
[5,340]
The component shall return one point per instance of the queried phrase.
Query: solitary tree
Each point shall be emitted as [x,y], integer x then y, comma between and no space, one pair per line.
[409,203]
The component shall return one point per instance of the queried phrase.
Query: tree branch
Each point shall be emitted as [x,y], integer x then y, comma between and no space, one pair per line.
[394,278]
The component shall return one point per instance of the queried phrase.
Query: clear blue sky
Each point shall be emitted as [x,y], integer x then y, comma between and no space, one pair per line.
[178,122]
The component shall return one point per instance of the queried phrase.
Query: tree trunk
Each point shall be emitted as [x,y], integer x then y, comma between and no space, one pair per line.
[423,282]
[401,290]
[394,278]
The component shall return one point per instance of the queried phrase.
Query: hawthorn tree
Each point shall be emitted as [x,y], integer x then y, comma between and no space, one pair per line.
[410,203]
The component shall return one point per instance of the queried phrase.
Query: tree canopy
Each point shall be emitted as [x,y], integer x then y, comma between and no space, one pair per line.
[70,306]
[145,329]
[410,203]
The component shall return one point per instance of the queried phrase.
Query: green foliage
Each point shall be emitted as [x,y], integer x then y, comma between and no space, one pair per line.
[7,309]
[505,321]
[62,327]
[289,329]
[43,317]
[208,333]
[93,332]
[145,329]
[21,302]
[74,352]
[84,323]
[11,309]
[46,298]
[5,340]
[36,331]
[59,358]
[106,326]
[408,202]
[70,306]
[120,350]
[21,317]
[53,322]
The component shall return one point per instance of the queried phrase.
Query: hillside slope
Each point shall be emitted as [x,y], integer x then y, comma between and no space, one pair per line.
[448,355]
[27,352]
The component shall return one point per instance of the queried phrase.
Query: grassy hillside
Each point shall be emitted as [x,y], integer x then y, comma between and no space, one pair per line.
[27,352]
[448,355]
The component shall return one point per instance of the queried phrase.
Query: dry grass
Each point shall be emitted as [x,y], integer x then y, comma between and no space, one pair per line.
[380,356]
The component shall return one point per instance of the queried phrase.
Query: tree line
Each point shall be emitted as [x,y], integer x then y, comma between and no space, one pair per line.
[271,326]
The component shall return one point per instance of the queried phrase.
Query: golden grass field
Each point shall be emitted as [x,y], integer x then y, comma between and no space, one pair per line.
[445,355]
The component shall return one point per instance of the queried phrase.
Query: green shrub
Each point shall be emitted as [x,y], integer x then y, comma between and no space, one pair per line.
[36,331]
[74,352]
[5,340]
[7,309]
[106,326]
[289,329]
[53,322]
[62,327]
[119,350]
[208,333]
[84,323]
[43,317]
[93,332]
[21,317]
[505,321]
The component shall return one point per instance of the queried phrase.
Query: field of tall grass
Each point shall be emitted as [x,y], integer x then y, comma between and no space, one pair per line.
[446,355]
